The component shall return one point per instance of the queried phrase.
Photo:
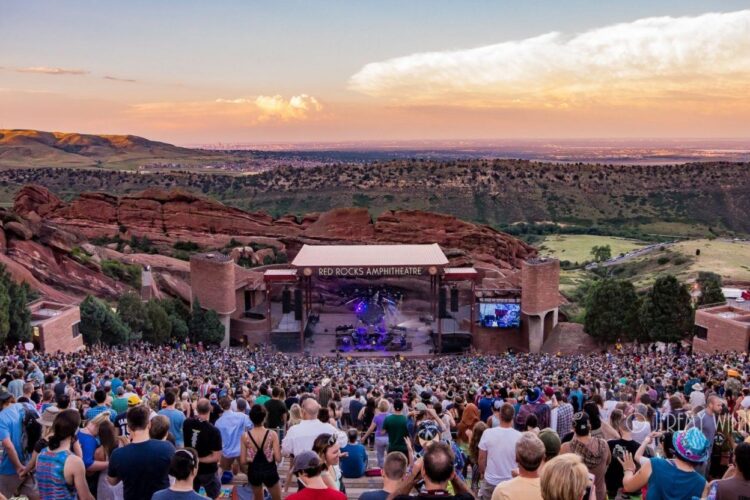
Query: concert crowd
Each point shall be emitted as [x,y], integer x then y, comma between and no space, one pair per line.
[187,422]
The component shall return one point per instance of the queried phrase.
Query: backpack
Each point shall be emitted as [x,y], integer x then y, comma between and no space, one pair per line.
[30,428]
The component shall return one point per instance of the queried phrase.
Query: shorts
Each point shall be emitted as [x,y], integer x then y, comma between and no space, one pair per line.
[210,483]
[267,478]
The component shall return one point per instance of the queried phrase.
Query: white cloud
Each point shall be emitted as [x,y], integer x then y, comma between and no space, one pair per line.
[685,58]
[45,70]
[276,107]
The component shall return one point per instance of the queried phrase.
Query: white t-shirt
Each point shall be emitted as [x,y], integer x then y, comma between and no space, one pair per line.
[500,445]
[301,437]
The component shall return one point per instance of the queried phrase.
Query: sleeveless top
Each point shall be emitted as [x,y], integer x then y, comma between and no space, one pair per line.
[667,482]
[50,474]
[261,456]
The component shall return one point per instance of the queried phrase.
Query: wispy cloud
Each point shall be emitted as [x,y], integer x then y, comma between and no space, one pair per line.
[46,70]
[118,79]
[297,107]
[651,59]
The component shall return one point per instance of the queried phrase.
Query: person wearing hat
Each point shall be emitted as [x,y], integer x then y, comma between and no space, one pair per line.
[697,397]
[46,421]
[676,478]
[551,442]
[534,405]
[308,468]
[121,420]
[593,450]
[12,480]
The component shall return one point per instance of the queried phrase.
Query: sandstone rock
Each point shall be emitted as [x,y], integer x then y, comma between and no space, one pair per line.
[35,199]
[342,223]
[259,257]
[18,230]
[242,252]
[127,249]
[3,241]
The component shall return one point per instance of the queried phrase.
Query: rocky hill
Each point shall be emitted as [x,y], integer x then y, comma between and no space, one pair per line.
[495,192]
[63,248]
[33,147]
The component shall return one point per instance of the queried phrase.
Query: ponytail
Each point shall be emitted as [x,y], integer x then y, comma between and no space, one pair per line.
[66,425]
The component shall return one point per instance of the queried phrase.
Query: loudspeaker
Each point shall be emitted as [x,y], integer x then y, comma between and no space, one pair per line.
[442,312]
[286,301]
[298,304]
[454,299]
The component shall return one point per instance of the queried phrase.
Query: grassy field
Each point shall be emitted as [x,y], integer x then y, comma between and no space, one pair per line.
[730,259]
[577,247]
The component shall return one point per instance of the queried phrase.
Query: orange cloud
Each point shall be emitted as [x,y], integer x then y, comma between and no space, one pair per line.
[241,111]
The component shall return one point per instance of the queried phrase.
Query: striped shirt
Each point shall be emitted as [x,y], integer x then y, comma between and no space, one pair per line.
[50,475]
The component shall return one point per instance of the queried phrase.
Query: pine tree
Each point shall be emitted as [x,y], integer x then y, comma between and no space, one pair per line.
[710,284]
[157,328]
[19,316]
[612,311]
[100,324]
[666,313]
[131,311]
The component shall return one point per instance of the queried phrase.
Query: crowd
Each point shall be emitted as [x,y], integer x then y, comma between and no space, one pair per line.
[181,422]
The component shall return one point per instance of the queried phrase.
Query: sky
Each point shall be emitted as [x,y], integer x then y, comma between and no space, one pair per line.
[289,71]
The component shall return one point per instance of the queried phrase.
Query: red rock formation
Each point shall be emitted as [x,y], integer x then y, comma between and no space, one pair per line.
[49,229]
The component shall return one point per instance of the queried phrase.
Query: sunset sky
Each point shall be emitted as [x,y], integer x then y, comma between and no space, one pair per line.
[193,72]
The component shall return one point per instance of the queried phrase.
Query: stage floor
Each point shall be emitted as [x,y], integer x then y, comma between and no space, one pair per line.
[323,343]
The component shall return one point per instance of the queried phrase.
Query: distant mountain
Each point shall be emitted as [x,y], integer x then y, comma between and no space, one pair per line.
[25,148]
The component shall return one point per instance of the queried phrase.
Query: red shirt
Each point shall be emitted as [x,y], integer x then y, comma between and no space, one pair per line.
[312,494]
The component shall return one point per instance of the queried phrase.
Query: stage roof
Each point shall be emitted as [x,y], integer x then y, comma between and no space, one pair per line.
[369,256]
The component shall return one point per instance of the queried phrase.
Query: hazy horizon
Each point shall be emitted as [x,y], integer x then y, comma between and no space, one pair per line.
[341,72]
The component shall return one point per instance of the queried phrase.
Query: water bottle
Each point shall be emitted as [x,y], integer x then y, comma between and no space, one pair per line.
[202,492]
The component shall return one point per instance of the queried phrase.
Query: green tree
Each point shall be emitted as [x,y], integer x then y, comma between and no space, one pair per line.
[19,316]
[157,328]
[612,311]
[131,311]
[4,311]
[205,325]
[100,324]
[710,285]
[666,313]
[601,253]
[179,316]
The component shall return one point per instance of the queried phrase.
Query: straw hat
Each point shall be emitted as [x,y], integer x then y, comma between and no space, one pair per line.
[48,416]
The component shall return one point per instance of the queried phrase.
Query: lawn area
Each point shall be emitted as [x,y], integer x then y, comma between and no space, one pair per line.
[730,259]
[577,247]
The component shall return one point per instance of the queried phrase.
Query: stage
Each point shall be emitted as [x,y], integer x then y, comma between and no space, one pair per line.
[323,340]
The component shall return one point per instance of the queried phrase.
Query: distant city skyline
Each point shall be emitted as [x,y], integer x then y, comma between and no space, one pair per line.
[194,72]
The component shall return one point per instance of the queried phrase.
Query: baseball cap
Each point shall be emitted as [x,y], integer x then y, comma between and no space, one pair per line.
[427,430]
[134,400]
[581,423]
[5,395]
[551,442]
[306,460]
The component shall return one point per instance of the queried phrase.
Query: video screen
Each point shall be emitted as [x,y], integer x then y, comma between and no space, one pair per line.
[500,315]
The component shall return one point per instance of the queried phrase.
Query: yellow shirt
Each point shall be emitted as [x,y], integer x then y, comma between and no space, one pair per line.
[518,487]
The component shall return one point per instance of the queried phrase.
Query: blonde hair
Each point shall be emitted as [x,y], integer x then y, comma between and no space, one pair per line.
[565,477]
[295,414]
[384,406]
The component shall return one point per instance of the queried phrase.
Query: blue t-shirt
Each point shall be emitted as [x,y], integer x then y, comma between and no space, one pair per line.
[232,425]
[485,408]
[667,482]
[354,465]
[89,444]
[374,495]
[11,425]
[176,419]
[142,467]
[176,495]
